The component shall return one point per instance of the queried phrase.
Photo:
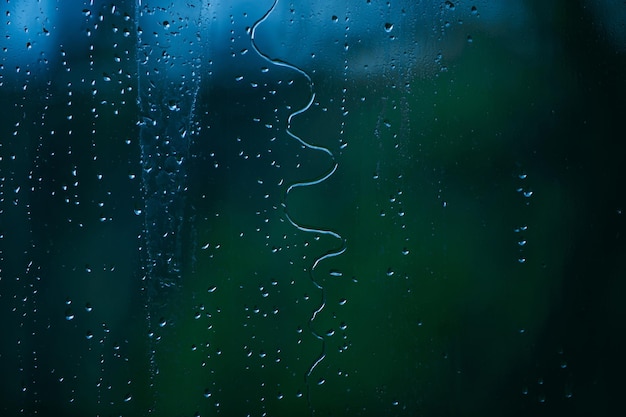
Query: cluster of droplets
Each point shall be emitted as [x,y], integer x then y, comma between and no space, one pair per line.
[526,192]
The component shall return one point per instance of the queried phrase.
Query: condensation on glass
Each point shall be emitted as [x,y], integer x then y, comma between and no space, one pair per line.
[310,208]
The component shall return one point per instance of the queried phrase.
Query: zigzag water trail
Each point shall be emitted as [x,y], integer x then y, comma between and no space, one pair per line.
[333,252]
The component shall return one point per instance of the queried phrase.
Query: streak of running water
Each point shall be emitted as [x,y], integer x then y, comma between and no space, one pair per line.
[168,69]
[168,66]
[333,252]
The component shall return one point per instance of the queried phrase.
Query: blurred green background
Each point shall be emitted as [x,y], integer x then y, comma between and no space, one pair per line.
[479,193]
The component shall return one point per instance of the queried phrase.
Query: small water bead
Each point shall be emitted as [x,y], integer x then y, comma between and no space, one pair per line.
[388,27]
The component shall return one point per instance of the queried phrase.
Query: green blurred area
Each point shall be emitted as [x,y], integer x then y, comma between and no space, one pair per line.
[482,213]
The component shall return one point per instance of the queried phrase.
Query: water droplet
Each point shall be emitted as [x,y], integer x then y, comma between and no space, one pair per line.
[173,105]
[335,18]
[388,27]
[69,314]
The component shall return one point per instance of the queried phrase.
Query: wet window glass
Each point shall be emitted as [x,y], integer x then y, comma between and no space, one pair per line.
[329,208]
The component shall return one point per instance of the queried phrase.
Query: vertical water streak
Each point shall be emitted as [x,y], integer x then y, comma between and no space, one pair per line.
[168,71]
[168,67]
[319,231]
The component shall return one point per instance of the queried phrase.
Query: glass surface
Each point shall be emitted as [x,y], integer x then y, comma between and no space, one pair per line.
[329,208]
